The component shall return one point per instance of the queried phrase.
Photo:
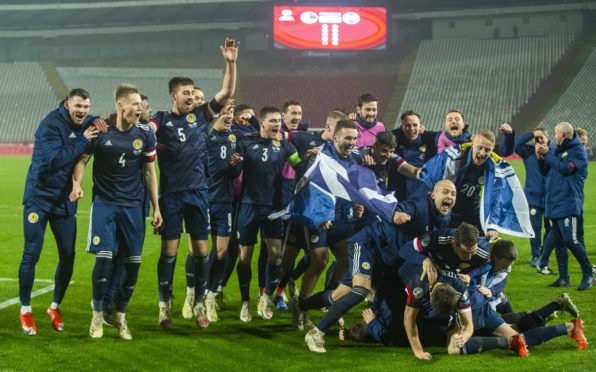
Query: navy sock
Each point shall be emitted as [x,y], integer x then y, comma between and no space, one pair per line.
[99,277]
[216,272]
[129,281]
[547,310]
[262,265]
[301,267]
[273,273]
[317,301]
[244,277]
[165,274]
[190,271]
[114,281]
[540,335]
[201,272]
[342,306]
[477,345]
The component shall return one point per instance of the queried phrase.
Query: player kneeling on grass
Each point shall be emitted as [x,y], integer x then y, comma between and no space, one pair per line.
[123,169]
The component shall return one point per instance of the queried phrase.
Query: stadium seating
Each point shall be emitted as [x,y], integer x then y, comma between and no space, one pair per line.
[577,104]
[101,83]
[26,98]
[318,94]
[488,80]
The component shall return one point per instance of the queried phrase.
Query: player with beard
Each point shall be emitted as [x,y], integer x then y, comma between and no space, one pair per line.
[366,120]
[182,156]
[60,139]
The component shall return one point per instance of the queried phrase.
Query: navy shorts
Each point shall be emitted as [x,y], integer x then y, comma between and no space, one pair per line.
[220,219]
[113,228]
[251,218]
[361,261]
[189,205]
[486,318]
[301,236]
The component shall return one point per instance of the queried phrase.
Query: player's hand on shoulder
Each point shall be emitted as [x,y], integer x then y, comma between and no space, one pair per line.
[464,278]
[368,160]
[352,116]
[230,50]
[101,125]
[91,133]
[312,152]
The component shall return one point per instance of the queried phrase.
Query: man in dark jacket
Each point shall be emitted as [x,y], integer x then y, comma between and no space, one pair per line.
[566,169]
[535,190]
[61,138]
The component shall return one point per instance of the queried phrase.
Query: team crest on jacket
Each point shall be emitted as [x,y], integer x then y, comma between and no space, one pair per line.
[33,217]
[564,154]
[365,265]
[422,148]
[232,138]
[191,118]
[96,240]
[276,145]
[137,144]
[533,211]
[314,238]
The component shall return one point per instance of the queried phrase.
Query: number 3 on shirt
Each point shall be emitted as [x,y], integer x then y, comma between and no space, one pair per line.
[181,135]
[264,157]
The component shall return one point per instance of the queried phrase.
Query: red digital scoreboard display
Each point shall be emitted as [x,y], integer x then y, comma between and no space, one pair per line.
[329,27]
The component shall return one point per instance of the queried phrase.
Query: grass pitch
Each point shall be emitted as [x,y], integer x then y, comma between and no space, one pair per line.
[231,344]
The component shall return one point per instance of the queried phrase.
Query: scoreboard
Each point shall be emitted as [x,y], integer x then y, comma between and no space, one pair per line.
[329,27]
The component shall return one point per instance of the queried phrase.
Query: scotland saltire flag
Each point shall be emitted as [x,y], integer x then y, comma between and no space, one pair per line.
[503,206]
[327,179]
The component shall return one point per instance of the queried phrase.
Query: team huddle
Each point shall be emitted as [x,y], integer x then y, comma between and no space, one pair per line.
[434,270]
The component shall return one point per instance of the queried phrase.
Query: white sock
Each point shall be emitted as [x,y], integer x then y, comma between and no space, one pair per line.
[162,303]
[220,289]
[211,295]
[26,309]
[54,306]
[190,290]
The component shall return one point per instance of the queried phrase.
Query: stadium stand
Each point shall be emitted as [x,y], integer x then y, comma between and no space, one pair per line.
[488,80]
[318,94]
[576,104]
[101,82]
[26,98]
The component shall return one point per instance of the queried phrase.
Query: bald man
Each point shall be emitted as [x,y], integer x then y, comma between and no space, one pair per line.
[566,169]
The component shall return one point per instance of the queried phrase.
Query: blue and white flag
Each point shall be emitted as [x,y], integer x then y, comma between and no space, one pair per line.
[314,203]
[503,206]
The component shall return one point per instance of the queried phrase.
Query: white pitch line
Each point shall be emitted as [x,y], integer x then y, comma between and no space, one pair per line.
[35,293]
